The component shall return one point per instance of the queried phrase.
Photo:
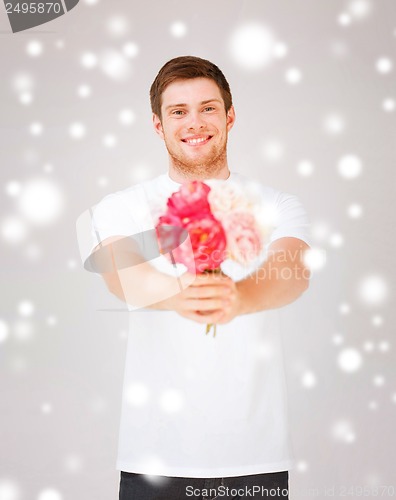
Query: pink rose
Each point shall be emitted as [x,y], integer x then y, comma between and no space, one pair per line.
[244,241]
[208,241]
[206,249]
[191,199]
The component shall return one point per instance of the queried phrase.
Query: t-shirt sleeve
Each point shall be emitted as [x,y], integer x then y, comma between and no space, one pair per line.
[291,219]
[114,215]
[111,217]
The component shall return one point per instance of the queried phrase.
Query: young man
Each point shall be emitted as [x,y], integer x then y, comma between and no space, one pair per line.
[201,416]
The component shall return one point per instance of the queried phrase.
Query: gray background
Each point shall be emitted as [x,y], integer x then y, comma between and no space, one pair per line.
[61,358]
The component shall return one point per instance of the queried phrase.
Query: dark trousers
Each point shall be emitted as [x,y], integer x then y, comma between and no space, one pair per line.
[140,487]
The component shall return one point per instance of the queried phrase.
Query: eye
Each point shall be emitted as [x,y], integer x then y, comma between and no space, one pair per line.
[178,112]
[209,108]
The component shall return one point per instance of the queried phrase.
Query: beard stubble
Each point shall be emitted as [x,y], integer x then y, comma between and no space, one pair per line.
[199,169]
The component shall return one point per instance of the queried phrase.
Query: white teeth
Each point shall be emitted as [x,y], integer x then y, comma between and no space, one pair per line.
[196,141]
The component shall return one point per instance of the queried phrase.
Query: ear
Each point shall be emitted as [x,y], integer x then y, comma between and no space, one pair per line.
[158,125]
[230,118]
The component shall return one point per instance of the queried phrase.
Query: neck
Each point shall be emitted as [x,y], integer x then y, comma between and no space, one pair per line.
[183,173]
[181,178]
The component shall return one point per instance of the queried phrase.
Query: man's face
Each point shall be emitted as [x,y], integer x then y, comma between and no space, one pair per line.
[194,127]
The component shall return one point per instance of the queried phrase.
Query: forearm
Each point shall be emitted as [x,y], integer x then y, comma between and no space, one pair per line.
[280,280]
[144,286]
[131,278]
[273,285]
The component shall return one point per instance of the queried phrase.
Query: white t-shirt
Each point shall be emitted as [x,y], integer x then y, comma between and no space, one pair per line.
[195,405]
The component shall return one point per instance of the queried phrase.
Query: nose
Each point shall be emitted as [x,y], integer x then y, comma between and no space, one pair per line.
[196,121]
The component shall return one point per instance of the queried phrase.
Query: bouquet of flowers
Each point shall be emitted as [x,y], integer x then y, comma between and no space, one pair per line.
[222,222]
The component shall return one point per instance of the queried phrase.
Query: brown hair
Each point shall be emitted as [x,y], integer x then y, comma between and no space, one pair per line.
[184,68]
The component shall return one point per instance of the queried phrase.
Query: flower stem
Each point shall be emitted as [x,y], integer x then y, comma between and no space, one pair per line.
[210,325]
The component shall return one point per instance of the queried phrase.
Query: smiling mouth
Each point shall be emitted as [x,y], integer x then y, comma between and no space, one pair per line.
[197,141]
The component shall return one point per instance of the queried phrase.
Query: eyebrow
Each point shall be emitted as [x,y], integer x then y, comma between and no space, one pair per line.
[183,105]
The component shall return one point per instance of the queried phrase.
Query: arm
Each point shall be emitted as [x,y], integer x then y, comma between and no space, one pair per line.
[209,298]
[281,279]
[129,277]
